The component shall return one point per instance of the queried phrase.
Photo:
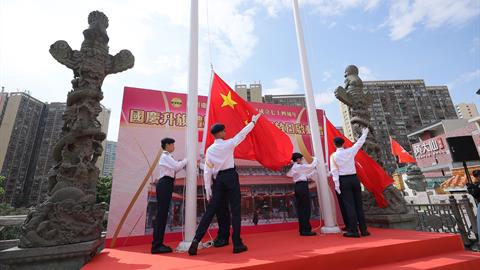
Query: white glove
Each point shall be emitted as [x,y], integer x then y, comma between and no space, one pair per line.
[255,118]
[337,189]
[314,160]
[365,131]
[208,192]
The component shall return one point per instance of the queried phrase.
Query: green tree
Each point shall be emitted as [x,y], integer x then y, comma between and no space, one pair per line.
[104,188]
[7,210]
[2,190]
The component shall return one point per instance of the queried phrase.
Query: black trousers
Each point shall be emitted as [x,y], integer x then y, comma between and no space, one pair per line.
[223,219]
[226,187]
[303,205]
[164,197]
[343,211]
[351,194]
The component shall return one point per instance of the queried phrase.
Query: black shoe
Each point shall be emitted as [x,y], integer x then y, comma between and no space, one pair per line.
[239,248]
[351,234]
[365,233]
[308,233]
[344,229]
[193,248]
[161,249]
[218,242]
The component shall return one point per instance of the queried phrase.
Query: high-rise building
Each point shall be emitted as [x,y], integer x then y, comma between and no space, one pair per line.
[347,127]
[466,110]
[20,135]
[109,161]
[401,107]
[3,104]
[37,191]
[252,92]
[287,100]
[29,130]
[441,101]
[103,118]
[339,129]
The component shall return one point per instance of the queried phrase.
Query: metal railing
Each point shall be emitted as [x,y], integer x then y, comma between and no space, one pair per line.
[453,217]
[9,225]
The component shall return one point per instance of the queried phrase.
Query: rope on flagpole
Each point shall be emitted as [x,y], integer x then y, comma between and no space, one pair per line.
[208,36]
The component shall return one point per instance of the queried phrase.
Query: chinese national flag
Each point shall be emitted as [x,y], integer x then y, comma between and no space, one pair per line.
[402,154]
[266,144]
[370,173]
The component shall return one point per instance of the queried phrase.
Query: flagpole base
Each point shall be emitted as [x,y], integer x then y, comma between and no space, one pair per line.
[330,229]
[184,246]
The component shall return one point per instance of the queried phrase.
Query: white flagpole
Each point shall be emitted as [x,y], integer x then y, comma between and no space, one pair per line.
[325,139]
[192,133]
[323,190]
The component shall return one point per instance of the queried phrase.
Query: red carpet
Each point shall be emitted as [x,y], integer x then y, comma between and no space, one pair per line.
[385,249]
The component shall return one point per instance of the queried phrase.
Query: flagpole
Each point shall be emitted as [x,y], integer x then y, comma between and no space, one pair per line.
[192,133]
[323,190]
[325,139]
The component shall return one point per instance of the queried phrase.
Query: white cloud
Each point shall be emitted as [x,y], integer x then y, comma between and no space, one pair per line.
[324,98]
[406,15]
[323,7]
[371,4]
[283,86]
[366,74]
[326,75]
[465,78]
[157,33]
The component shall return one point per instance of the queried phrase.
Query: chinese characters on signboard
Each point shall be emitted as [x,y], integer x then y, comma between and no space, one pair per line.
[138,116]
[427,148]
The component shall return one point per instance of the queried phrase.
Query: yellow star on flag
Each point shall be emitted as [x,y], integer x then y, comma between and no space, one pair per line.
[228,101]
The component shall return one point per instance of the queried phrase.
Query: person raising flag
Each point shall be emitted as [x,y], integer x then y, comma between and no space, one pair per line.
[219,163]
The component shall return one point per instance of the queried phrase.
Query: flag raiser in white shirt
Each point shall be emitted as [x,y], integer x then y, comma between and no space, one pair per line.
[302,172]
[168,166]
[219,155]
[342,162]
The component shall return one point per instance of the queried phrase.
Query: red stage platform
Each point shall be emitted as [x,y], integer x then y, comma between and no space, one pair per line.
[385,249]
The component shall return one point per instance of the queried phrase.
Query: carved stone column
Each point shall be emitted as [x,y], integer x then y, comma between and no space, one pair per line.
[358,102]
[69,223]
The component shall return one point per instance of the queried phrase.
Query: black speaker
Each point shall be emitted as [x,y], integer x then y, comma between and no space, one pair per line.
[463,148]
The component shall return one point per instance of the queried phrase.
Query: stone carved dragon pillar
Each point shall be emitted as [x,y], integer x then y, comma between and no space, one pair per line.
[71,214]
[358,102]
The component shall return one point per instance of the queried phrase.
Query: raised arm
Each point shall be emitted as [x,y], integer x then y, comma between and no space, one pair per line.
[238,139]
[358,145]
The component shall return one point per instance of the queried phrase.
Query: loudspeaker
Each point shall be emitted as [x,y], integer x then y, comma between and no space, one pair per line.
[463,149]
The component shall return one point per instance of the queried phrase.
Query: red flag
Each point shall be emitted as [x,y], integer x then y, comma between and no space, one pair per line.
[266,144]
[401,153]
[372,175]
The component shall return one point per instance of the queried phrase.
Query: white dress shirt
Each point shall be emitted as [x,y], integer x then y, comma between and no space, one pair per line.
[302,172]
[342,162]
[219,155]
[168,166]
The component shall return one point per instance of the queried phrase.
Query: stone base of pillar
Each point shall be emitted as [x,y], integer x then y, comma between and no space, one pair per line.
[72,256]
[394,221]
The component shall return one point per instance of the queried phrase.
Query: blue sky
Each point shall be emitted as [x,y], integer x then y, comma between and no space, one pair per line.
[249,41]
